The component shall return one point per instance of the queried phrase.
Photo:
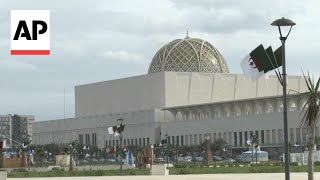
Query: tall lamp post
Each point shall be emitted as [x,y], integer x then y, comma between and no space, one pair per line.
[120,120]
[282,23]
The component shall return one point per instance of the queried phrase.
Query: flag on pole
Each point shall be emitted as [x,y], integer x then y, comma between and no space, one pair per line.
[112,130]
[278,55]
[255,63]
[116,130]
[275,62]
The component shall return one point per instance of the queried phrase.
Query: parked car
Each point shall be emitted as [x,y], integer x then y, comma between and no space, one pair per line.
[229,160]
[180,159]
[83,161]
[188,159]
[160,159]
[217,158]
[199,159]
[101,160]
[238,158]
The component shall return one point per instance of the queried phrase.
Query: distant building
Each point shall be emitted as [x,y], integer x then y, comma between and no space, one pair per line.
[16,128]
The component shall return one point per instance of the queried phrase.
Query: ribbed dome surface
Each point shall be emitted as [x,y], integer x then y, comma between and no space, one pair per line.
[188,55]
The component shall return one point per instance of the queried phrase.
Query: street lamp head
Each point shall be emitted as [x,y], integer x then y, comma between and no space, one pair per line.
[283,22]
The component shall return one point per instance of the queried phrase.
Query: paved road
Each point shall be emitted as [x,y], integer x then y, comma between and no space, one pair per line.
[260,176]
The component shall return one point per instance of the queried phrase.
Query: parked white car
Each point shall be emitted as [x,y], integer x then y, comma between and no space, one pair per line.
[187,159]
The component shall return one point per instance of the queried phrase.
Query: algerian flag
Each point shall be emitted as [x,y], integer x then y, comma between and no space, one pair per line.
[278,55]
[116,130]
[112,130]
[255,64]
[275,58]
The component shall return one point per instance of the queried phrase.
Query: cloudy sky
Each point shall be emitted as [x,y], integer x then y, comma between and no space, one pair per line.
[108,39]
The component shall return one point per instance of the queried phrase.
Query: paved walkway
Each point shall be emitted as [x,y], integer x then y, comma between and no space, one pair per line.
[259,176]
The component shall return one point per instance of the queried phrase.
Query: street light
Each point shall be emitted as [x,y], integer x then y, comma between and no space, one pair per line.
[283,22]
[120,120]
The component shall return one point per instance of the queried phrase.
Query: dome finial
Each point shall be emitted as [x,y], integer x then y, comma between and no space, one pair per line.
[187,33]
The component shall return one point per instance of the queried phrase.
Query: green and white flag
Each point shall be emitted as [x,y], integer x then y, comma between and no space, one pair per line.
[275,58]
[256,63]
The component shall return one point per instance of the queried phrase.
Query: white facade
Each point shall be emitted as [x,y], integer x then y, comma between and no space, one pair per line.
[168,89]
[186,104]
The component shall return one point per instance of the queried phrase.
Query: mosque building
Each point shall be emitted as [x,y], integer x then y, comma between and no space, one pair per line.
[188,95]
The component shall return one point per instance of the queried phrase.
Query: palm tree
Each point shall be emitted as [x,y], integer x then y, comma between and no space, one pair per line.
[310,118]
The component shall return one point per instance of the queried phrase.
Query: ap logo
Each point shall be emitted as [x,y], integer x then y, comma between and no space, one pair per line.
[30,32]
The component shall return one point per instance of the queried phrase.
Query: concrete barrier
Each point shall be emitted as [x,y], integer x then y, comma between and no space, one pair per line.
[3,175]
[159,170]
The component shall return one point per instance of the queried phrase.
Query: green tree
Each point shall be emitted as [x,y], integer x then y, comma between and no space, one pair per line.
[218,145]
[40,152]
[310,118]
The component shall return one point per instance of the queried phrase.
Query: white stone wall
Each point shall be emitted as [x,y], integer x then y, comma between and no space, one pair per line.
[183,88]
[231,102]
[167,89]
[225,127]
[139,124]
[122,95]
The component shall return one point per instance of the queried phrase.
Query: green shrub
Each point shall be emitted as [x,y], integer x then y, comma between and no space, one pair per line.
[19,170]
[180,165]
[294,164]
[317,163]
[184,171]
[279,164]
[193,166]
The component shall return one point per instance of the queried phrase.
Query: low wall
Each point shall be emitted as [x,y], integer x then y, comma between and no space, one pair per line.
[13,162]
[64,160]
